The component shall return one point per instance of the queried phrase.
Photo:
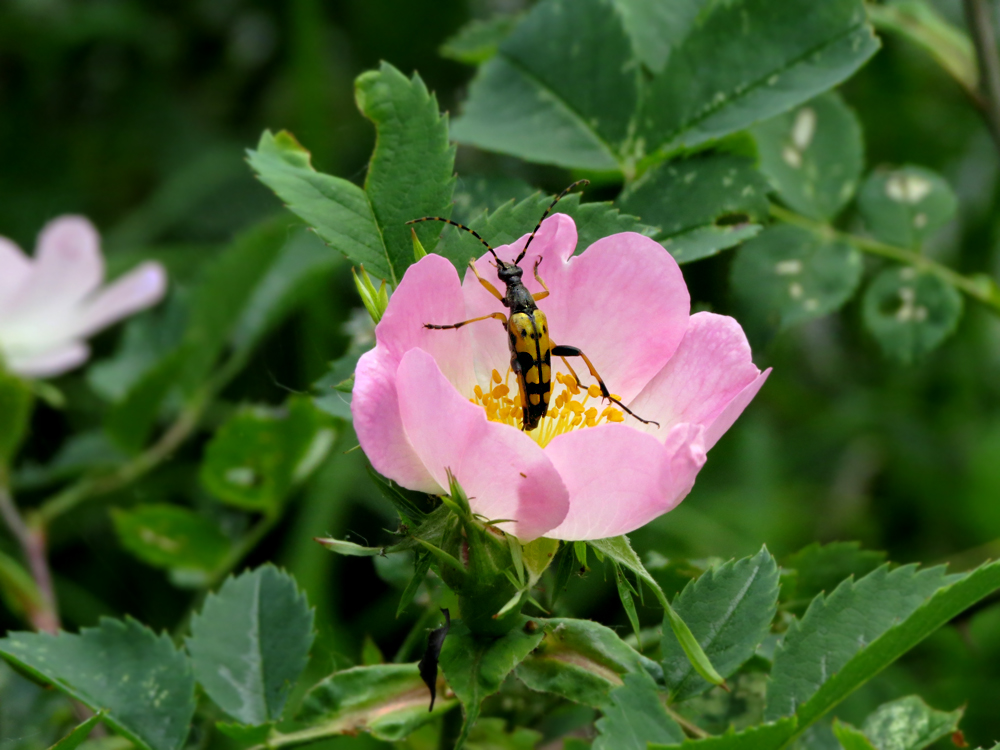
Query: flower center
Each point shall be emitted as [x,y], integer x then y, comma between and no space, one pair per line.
[569,409]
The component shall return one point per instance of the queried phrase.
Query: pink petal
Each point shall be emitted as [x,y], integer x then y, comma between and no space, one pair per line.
[14,269]
[504,472]
[620,478]
[430,292]
[142,287]
[379,427]
[709,381]
[49,363]
[68,266]
[623,301]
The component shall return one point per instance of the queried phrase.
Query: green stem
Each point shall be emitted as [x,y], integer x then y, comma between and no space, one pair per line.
[692,729]
[979,16]
[984,291]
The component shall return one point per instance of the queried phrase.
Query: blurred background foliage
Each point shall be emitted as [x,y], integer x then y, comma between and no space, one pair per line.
[136,113]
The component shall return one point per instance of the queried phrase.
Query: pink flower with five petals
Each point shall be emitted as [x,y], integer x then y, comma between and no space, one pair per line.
[426,401]
[50,303]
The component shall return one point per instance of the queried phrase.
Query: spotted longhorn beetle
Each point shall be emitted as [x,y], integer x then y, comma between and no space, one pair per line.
[531,348]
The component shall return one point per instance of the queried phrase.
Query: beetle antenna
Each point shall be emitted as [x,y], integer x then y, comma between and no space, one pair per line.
[548,210]
[473,232]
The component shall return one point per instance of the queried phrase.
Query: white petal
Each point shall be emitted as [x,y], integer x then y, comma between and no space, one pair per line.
[14,269]
[47,364]
[142,287]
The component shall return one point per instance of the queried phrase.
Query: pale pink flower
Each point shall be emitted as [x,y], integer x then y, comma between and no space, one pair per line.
[51,303]
[584,472]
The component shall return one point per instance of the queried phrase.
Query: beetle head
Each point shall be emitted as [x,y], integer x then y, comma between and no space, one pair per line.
[508,272]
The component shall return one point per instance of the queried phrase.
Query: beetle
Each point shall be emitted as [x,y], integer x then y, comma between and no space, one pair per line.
[531,347]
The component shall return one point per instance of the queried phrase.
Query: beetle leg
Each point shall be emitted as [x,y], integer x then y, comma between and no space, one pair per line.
[572,351]
[498,315]
[489,287]
[546,293]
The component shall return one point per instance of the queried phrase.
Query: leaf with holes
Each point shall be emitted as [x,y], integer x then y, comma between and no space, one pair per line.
[139,679]
[259,454]
[634,717]
[700,205]
[910,312]
[905,206]
[250,643]
[813,155]
[729,610]
[787,275]
[172,537]
[387,700]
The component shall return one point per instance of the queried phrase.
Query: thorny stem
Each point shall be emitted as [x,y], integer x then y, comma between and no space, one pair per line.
[31,539]
[982,288]
[979,16]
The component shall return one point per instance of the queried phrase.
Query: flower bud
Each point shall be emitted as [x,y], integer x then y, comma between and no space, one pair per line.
[374,300]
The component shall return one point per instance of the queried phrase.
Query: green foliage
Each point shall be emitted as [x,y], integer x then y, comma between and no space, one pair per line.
[700,205]
[141,681]
[259,454]
[476,666]
[768,736]
[819,568]
[910,312]
[581,661]
[542,98]
[388,700]
[78,736]
[851,738]
[478,41]
[729,610]
[813,156]
[15,405]
[905,206]
[909,724]
[787,275]
[172,537]
[250,643]
[634,717]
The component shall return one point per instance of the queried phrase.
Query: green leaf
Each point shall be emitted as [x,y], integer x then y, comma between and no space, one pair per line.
[788,275]
[478,40]
[245,736]
[700,205]
[170,536]
[910,312]
[411,173]
[387,700]
[581,661]
[250,643]
[620,551]
[838,626]
[563,89]
[130,421]
[140,679]
[301,269]
[920,22]
[349,549]
[333,390]
[628,603]
[514,220]
[257,457]
[635,716]
[909,724]
[851,738]
[749,60]
[338,210]
[813,155]
[78,736]
[491,734]
[761,737]
[18,589]
[656,27]
[476,666]
[486,193]
[819,568]
[905,206]
[15,405]
[729,610]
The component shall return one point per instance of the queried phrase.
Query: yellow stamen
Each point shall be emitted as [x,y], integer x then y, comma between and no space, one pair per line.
[496,377]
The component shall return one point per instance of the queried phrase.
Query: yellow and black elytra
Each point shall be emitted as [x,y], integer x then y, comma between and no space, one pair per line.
[531,348]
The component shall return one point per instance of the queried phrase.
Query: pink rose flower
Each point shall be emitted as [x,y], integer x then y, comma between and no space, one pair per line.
[50,303]
[426,401]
